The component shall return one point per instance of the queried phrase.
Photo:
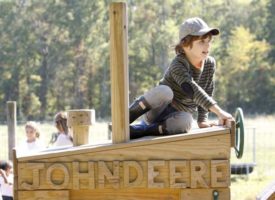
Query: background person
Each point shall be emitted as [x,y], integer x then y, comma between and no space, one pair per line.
[32,142]
[63,137]
[6,180]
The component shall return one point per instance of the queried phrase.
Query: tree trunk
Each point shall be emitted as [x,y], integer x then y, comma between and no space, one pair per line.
[43,87]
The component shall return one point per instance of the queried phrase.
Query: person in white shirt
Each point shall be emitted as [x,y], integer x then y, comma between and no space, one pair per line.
[6,180]
[32,143]
[64,137]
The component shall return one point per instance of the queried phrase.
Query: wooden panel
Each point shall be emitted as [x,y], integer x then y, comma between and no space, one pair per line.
[232,126]
[134,194]
[34,176]
[147,141]
[205,194]
[124,174]
[15,176]
[119,72]
[44,195]
[214,147]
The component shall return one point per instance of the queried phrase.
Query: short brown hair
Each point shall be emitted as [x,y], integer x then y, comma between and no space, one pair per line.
[188,41]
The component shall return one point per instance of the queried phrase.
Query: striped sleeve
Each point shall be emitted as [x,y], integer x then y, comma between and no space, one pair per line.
[180,72]
[209,88]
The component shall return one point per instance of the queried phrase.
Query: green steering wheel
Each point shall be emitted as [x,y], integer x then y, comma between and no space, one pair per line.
[239,142]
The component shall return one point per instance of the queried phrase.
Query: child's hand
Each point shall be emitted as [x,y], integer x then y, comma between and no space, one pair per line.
[223,117]
[206,124]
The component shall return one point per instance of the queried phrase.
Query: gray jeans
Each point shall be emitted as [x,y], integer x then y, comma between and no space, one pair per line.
[160,98]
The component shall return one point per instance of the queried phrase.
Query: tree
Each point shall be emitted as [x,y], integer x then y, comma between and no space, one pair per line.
[240,69]
[270,29]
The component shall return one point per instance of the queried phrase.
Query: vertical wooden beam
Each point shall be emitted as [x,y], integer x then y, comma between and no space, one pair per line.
[119,72]
[15,175]
[79,121]
[11,120]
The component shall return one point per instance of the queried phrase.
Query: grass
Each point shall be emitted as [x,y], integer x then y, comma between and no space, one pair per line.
[247,187]
[243,187]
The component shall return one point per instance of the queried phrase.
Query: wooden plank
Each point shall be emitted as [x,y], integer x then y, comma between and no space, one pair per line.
[133,194]
[11,121]
[205,194]
[15,175]
[119,72]
[124,174]
[44,195]
[214,147]
[232,125]
[195,134]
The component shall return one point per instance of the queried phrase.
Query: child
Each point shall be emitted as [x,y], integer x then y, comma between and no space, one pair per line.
[32,143]
[6,180]
[63,136]
[186,87]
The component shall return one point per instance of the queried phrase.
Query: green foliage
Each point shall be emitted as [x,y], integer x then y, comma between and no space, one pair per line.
[246,72]
[55,54]
[270,28]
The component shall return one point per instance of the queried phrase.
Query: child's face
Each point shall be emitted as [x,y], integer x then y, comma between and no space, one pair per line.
[200,49]
[9,171]
[31,134]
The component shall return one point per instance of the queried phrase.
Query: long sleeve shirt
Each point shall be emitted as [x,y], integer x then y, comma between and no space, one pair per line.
[180,72]
[7,188]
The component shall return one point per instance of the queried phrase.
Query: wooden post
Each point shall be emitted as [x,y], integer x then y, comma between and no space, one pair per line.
[79,121]
[11,120]
[15,175]
[119,72]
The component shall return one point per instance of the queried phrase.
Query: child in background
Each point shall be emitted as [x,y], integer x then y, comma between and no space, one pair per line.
[63,137]
[6,180]
[32,143]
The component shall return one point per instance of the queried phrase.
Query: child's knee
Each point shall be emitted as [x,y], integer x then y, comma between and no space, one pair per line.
[180,122]
[159,95]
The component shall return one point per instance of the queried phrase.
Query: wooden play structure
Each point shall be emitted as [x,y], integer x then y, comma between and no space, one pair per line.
[178,167]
